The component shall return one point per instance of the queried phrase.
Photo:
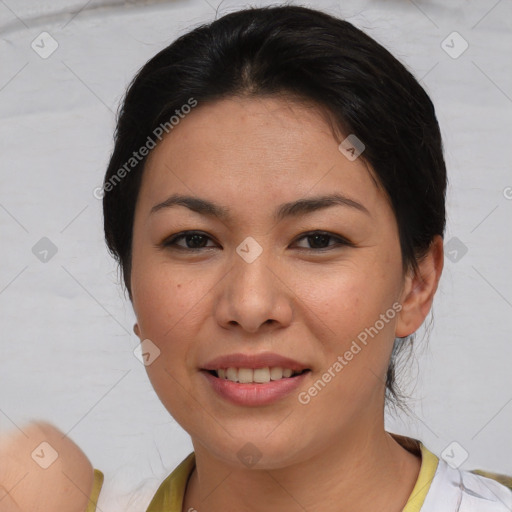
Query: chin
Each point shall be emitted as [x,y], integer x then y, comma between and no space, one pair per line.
[256,452]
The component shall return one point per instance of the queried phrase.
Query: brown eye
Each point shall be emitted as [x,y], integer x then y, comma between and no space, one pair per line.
[319,240]
[194,240]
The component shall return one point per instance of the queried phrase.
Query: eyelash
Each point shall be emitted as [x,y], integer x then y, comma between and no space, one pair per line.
[171,241]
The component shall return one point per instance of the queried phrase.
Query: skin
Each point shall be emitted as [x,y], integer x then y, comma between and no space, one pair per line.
[252,155]
[25,485]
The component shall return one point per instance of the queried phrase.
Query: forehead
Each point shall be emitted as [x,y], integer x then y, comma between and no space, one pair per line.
[254,151]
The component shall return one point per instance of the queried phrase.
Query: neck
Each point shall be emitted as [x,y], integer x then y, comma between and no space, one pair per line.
[364,471]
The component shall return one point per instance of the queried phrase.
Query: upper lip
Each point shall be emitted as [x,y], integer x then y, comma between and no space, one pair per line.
[263,360]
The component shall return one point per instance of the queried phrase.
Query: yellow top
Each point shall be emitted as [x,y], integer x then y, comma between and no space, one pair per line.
[427,471]
[170,494]
[96,488]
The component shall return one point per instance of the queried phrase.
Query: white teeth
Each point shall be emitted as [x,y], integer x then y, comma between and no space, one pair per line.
[245,375]
[276,373]
[232,374]
[259,375]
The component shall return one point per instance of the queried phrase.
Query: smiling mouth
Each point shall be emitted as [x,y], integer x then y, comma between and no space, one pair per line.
[256,375]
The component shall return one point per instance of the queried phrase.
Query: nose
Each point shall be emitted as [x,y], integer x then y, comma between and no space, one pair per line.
[254,294]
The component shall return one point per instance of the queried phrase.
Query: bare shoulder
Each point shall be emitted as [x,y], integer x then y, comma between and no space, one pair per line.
[43,470]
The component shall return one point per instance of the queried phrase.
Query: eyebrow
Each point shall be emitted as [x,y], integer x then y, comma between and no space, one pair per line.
[291,209]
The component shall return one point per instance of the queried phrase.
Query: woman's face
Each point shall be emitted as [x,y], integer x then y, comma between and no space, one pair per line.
[253,282]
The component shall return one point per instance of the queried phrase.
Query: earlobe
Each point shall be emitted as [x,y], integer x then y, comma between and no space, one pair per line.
[136,329]
[419,289]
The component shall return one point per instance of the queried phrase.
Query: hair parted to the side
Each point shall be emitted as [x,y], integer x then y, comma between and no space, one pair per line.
[310,56]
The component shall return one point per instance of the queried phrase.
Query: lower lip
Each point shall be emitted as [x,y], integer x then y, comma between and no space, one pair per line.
[254,394]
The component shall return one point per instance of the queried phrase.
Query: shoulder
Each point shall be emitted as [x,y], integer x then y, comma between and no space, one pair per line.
[488,491]
[468,491]
[44,469]
[498,477]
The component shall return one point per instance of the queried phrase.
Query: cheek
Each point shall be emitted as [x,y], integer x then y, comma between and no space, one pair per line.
[168,306]
[346,301]
[164,296]
[344,311]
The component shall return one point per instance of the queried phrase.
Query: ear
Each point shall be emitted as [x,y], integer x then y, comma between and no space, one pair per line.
[419,289]
[136,329]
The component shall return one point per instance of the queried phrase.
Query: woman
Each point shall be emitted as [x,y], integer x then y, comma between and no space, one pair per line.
[276,201]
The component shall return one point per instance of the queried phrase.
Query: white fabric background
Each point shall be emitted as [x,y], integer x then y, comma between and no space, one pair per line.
[66,337]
